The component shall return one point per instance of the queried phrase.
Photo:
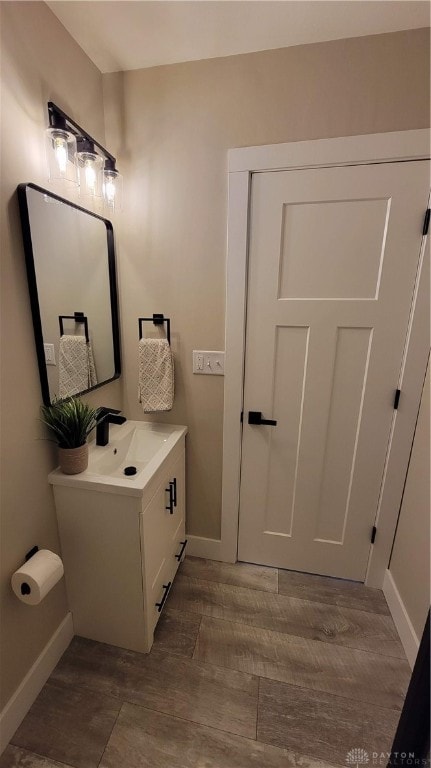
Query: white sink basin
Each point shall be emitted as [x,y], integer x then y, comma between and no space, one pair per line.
[134,448]
[138,444]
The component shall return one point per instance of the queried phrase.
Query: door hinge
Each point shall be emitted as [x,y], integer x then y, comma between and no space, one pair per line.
[397,399]
[426,222]
[373,534]
[242,416]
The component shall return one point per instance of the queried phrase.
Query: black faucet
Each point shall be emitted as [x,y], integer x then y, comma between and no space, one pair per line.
[106,416]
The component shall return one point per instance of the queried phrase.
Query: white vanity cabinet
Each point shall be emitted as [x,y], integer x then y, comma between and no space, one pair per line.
[121,547]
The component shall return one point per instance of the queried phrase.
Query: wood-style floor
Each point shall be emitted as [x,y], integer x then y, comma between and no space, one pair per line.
[251,668]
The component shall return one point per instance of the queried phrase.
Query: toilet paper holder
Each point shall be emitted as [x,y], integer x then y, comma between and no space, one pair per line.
[30,553]
[25,589]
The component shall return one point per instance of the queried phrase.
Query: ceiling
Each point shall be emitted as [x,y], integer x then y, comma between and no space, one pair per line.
[119,34]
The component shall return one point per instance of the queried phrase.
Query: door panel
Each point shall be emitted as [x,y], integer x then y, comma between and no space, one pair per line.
[344,261]
[332,266]
[352,352]
[291,356]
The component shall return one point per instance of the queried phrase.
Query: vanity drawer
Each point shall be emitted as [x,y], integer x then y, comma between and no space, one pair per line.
[156,594]
[163,518]
[161,545]
[155,534]
[157,591]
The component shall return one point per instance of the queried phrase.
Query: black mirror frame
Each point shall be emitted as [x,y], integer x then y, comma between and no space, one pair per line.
[32,287]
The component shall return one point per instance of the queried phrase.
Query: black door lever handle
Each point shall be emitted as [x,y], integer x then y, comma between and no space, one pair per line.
[255,417]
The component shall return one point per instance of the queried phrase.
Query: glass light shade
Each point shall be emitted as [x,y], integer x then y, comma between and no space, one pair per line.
[112,190]
[89,174]
[60,155]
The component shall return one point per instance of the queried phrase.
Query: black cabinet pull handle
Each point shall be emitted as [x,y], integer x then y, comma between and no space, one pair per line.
[166,587]
[255,417]
[170,490]
[183,546]
[173,483]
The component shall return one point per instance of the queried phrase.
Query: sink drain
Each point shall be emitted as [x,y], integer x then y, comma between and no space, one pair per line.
[130,470]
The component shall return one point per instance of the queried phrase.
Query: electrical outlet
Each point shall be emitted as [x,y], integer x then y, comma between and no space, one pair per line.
[198,362]
[49,354]
[208,363]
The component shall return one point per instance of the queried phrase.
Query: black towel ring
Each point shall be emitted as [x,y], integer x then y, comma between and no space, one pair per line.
[78,317]
[156,319]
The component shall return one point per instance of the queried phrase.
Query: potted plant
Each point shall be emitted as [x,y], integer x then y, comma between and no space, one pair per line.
[71,421]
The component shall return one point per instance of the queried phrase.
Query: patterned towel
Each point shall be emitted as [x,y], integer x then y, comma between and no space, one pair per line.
[156,375]
[76,366]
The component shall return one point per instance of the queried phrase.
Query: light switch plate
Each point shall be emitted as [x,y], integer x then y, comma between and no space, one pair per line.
[49,354]
[208,362]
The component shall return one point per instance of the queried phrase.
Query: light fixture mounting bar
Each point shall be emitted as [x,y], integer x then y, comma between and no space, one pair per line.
[55,112]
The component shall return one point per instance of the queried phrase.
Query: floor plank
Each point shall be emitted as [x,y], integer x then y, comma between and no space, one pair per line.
[145,739]
[68,725]
[177,686]
[176,632]
[359,675]
[323,589]
[328,725]
[316,621]
[237,574]
[15,757]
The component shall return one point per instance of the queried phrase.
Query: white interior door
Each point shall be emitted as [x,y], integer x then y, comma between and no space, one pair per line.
[332,265]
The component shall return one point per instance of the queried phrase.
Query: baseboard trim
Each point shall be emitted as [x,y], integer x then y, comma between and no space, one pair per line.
[20,702]
[401,618]
[199,546]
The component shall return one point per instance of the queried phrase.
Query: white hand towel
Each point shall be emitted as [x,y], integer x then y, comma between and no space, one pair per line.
[77,371]
[156,375]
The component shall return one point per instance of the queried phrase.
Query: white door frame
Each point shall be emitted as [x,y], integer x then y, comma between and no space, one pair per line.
[351,150]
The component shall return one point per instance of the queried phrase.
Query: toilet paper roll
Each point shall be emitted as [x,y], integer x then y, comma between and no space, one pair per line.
[37,577]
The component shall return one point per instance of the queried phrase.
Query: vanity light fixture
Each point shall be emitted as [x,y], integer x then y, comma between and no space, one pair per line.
[60,150]
[89,165]
[112,186]
[73,155]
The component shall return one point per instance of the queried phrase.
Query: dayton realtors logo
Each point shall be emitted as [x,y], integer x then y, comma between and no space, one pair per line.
[358,757]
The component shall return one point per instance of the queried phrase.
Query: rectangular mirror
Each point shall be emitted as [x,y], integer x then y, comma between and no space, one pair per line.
[70,261]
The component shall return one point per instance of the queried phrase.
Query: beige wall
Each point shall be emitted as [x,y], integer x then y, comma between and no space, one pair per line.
[410,560]
[171,128]
[40,61]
